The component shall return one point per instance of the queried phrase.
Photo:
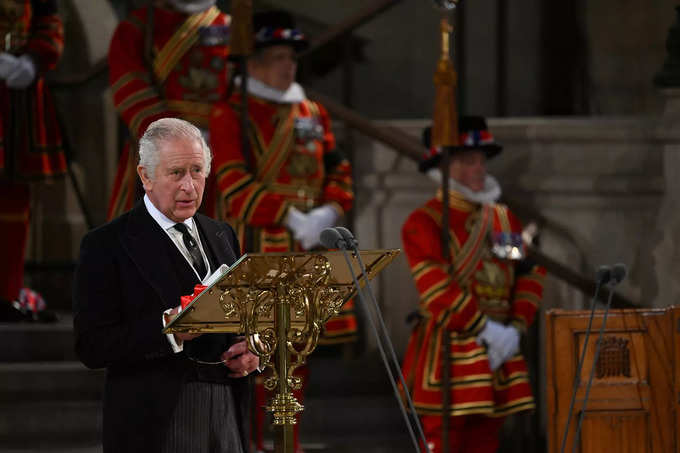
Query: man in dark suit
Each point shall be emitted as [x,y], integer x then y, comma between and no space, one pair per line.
[173,393]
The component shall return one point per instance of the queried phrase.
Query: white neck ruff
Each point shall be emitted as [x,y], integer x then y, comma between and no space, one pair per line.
[191,7]
[489,194]
[293,95]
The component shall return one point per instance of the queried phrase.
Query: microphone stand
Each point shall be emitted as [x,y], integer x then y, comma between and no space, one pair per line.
[603,274]
[351,243]
[615,281]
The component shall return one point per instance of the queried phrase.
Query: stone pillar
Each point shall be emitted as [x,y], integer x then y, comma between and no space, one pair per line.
[667,251]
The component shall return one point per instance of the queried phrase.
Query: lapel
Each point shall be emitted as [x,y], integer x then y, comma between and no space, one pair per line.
[216,240]
[153,253]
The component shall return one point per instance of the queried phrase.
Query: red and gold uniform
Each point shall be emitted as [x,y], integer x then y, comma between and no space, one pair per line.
[296,164]
[185,73]
[30,147]
[458,296]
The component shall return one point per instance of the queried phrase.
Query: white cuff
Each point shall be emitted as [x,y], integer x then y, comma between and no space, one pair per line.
[171,337]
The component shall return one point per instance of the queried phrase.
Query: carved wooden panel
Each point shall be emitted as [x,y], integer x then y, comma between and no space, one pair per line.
[634,395]
[627,430]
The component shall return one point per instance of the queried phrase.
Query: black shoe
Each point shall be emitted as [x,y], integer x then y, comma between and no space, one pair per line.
[10,312]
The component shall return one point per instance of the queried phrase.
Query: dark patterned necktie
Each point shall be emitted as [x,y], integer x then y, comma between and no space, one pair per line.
[192,248]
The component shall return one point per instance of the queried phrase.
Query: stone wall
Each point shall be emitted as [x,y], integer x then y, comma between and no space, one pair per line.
[598,182]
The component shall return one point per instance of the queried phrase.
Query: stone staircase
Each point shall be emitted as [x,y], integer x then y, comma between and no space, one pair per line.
[50,402]
[350,406]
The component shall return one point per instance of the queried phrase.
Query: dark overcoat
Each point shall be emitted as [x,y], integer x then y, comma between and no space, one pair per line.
[128,273]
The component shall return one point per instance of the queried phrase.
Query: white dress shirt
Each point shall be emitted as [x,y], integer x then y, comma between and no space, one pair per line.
[176,236]
[168,226]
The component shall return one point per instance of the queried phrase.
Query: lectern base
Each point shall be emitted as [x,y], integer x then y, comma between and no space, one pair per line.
[283,439]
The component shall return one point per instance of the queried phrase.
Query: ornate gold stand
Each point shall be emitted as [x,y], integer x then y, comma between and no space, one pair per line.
[280,301]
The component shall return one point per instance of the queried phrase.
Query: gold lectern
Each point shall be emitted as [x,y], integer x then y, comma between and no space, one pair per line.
[279,301]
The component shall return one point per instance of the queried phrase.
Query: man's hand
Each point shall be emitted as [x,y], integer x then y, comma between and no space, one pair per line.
[240,360]
[179,337]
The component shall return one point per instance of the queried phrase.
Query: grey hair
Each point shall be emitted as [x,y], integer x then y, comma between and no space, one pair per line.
[166,129]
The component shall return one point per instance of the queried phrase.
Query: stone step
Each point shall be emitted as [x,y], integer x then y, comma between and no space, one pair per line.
[38,341]
[333,376]
[56,447]
[49,381]
[34,395]
[49,404]
[361,415]
[33,424]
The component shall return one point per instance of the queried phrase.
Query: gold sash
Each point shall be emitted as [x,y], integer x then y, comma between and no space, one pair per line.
[465,261]
[280,146]
[180,42]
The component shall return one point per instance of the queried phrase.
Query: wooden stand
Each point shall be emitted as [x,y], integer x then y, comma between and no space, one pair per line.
[635,392]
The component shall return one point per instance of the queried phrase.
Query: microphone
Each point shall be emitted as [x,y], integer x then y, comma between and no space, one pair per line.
[348,237]
[345,240]
[332,239]
[619,272]
[603,275]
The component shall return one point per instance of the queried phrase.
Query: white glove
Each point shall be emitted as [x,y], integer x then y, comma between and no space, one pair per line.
[307,228]
[502,342]
[18,72]
[318,219]
[7,64]
[295,221]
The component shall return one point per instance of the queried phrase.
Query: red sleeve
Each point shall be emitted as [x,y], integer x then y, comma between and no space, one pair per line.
[46,42]
[528,289]
[527,296]
[440,295]
[240,195]
[338,184]
[134,95]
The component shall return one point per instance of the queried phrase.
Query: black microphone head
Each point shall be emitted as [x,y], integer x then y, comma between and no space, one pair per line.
[331,239]
[618,272]
[347,236]
[603,274]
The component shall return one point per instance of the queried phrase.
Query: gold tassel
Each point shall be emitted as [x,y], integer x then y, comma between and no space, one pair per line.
[445,116]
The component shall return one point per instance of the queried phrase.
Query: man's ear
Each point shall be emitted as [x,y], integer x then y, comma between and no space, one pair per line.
[144,176]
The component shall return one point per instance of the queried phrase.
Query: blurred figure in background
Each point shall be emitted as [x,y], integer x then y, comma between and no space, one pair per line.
[485,294]
[165,60]
[32,41]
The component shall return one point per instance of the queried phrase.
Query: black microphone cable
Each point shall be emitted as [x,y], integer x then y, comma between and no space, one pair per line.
[352,243]
[602,276]
[331,238]
[617,274]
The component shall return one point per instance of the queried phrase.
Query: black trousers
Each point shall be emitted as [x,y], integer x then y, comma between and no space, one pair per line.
[204,421]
